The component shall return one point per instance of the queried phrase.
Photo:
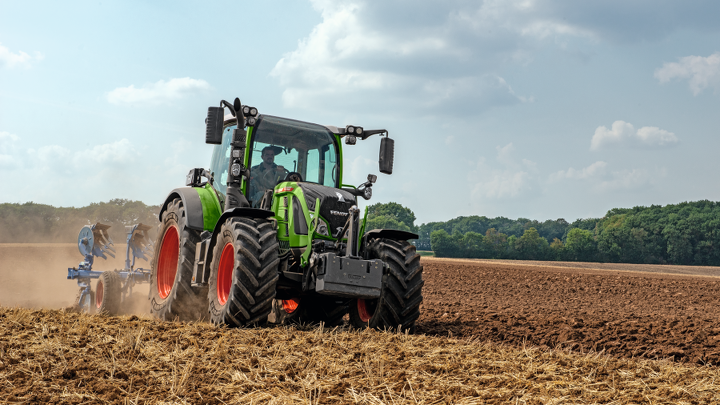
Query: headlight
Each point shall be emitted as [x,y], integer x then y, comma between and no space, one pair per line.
[235,169]
[350,140]
[367,193]
[322,228]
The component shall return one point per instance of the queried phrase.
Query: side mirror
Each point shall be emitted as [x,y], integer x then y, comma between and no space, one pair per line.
[387,155]
[214,125]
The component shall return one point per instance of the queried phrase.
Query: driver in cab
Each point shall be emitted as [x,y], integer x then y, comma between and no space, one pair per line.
[265,175]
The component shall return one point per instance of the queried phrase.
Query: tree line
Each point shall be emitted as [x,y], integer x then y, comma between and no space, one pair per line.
[687,233]
[36,223]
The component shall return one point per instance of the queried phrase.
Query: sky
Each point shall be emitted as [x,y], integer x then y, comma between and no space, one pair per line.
[539,109]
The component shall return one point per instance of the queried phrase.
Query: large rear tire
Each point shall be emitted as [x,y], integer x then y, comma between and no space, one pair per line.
[401,294]
[311,309]
[107,293]
[243,272]
[171,294]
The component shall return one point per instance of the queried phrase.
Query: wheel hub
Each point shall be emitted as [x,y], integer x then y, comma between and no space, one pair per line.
[168,262]
[225,272]
[291,305]
[100,290]
[366,309]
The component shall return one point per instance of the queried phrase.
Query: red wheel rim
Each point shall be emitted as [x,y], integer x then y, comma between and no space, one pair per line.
[365,310]
[99,294]
[168,262]
[225,272]
[289,306]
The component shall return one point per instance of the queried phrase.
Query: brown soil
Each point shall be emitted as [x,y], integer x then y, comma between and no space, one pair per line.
[625,310]
[626,313]
[543,316]
[51,357]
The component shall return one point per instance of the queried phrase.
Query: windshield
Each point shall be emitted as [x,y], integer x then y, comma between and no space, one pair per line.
[281,147]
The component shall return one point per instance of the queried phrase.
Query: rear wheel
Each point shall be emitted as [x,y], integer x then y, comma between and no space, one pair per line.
[171,294]
[107,293]
[401,294]
[243,272]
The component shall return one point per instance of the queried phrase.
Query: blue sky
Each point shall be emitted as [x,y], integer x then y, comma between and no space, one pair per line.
[537,108]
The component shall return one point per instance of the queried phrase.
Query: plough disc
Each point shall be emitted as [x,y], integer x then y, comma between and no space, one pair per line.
[95,240]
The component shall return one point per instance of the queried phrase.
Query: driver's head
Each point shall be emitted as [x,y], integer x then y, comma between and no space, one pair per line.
[268,155]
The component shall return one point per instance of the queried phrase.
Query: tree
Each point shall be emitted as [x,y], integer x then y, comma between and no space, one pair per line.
[580,245]
[443,244]
[394,211]
[385,222]
[532,246]
[558,249]
[495,243]
[472,245]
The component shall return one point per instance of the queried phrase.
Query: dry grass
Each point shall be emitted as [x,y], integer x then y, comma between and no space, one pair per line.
[58,357]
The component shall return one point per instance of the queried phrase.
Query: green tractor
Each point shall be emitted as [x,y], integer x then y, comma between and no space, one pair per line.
[271,234]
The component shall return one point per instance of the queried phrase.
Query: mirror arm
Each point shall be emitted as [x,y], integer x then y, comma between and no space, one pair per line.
[368,133]
[229,106]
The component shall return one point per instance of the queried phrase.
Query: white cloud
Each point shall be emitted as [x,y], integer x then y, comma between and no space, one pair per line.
[438,60]
[158,93]
[19,59]
[603,136]
[623,133]
[117,153]
[629,179]
[59,159]
[594,170]
[448,56]
[656,136]
[8,150]
[507,180]
[701,72]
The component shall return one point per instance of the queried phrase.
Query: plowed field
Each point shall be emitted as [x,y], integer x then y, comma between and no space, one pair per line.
[496,332]
[634,312]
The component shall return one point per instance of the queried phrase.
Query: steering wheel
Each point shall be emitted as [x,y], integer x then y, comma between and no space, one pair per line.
[293,176]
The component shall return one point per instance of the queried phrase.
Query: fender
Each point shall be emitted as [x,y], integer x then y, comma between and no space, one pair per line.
[242,212]
[191,202]
[389,234]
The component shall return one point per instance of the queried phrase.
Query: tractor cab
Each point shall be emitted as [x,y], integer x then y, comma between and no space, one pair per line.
[279,149]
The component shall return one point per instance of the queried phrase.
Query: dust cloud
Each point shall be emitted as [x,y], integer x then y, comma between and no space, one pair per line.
[34,275]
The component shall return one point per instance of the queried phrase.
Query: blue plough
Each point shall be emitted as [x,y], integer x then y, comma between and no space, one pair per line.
[112,290]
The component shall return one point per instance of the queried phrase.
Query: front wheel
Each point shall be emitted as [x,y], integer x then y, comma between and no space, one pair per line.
[171,293]
[401,294]
[243,272]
